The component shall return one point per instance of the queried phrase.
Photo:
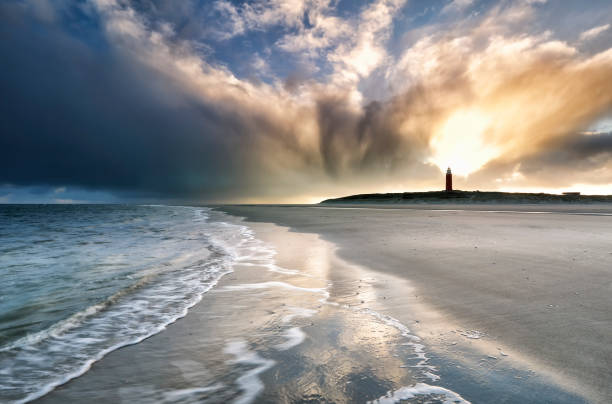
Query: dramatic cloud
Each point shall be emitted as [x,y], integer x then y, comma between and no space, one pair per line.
[290,101]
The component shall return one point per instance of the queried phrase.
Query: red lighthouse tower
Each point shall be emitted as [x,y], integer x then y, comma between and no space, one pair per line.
[449,180]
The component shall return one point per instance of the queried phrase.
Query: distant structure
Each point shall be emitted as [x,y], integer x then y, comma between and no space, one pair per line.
[449,180]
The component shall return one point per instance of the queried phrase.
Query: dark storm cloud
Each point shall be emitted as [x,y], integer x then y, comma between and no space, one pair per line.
[579,147]
[75,111]
[576,153]
[81,110]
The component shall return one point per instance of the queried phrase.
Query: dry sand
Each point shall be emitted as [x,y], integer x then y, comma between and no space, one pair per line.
[538,284]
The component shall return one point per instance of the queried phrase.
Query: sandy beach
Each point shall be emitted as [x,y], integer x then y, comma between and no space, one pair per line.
[535,279]
[385,305]
[292,323]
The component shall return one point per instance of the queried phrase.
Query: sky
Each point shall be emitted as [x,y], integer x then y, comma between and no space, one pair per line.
[294,101]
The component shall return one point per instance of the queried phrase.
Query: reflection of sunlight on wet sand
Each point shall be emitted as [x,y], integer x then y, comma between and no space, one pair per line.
[366,348]
[298,250]
[366,352]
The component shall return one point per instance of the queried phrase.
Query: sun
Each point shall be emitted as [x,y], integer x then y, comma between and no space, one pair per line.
[460,142]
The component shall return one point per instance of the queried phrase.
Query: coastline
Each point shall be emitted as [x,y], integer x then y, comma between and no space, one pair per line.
[535,281]
[293,322]
[322,307]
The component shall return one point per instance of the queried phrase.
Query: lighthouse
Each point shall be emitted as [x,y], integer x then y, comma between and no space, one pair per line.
[449,180]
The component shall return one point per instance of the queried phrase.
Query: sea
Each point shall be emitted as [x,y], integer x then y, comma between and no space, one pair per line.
[79,282]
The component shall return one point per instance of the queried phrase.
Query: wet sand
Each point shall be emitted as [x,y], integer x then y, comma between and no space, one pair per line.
[536,285]
[354,305]
[290,324]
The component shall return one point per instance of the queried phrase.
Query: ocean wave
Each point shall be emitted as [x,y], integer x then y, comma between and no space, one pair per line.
[33,365]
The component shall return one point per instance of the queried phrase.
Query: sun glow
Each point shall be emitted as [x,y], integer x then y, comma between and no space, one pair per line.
[460,142]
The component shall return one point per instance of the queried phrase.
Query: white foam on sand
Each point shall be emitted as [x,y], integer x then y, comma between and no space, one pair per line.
[270,267]
[413,342]
[249,383]
[421,390]
[323,292]
[261,254]
[184,394]
[275,284]
[295,336]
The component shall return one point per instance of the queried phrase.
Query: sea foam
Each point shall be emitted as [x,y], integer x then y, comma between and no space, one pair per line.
[36,363]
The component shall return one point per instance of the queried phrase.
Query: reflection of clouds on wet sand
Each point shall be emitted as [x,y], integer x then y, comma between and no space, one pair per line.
[336,348]
[291,323]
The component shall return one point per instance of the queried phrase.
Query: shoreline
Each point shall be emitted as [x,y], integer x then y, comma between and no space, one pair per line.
[568,208]
[290,323]
[554,321]
[303,317]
